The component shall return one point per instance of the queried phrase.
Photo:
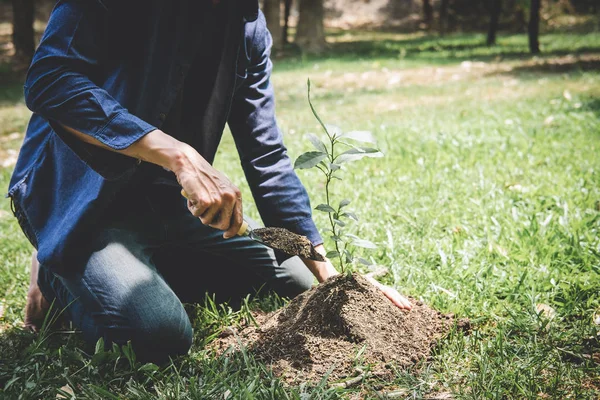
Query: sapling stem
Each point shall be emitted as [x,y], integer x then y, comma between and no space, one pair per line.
[328,177]
[328,162]
[328,172]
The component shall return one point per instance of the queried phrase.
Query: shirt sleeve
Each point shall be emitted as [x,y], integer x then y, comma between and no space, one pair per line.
[60,82]
[280,197]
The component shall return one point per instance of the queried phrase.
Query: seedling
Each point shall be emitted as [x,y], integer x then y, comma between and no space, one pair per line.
[329,157]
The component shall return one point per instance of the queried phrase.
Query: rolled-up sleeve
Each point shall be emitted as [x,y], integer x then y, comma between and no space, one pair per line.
[280,197]
[60,82]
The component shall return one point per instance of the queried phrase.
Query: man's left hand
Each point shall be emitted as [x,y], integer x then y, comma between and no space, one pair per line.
[325,270]
[391,293]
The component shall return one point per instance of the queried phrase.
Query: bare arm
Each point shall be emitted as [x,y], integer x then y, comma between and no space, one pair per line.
[321,270]
[212,197]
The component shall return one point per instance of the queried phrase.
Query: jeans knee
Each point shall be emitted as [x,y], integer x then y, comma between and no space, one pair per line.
[298,278]
[165,334]
[158,330]
[303,280]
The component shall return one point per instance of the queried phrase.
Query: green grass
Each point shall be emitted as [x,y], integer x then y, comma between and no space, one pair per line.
[485,205]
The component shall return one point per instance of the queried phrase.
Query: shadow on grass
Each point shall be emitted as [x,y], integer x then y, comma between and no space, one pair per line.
[13,341]
[11,93]
[432,49]
[593,106]
[559,66]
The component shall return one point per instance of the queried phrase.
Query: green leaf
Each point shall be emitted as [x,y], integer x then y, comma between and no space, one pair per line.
[11,381]
[317,143]
[350,215]
[334,167]
[332,254]
[325,208]
[359,136]
[116,349]
[66,393]
[98,358]
[104,394]
[363,261]
[149,368]
[129,354]
[99,346]
[364,243]
[309,159]
[349,257]
[344,203]
[356,153]
[312,108]
[338,222]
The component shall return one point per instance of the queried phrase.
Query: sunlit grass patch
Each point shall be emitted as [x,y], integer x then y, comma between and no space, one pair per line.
[486,204]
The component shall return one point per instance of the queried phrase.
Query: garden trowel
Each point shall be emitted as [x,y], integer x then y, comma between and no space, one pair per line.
[279,239]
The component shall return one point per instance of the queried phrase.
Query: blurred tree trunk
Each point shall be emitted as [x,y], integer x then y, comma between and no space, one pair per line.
[310,35]
[272,12]
[494,18]
[287,9]
[534,26]
[443,16]
[427,13]
[23,35]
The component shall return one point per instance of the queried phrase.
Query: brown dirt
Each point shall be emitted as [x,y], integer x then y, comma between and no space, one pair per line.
[288,242]
[338,325]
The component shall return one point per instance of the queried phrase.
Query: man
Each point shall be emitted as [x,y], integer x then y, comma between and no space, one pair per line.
[130,99]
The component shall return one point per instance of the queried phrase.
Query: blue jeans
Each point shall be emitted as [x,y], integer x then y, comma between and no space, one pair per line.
[147,258]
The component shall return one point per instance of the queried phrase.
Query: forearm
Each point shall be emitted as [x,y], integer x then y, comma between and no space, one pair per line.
[211,196]
[155,147]
[321,270]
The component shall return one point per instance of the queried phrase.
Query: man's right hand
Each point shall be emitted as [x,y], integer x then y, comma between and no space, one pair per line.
[211,196]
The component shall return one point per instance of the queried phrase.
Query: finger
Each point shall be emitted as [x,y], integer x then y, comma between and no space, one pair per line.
[395,297]
[31,328]
[223,219]
[196,208]
[210,214]
[237,219]
[399,301]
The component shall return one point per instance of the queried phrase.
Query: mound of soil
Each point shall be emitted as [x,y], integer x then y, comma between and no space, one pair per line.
[288,242]
[337,325]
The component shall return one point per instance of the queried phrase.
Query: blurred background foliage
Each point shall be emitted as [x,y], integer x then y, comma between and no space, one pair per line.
[299,25]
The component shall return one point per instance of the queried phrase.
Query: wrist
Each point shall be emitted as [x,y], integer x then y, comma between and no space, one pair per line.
[161,149]
[322,270]
[326,271]
[179,158]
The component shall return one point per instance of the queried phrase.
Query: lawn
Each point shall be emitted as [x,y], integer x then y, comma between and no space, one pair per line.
[486,205]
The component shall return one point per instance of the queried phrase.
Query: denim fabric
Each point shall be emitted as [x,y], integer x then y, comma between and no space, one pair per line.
[150,257]
[112,69]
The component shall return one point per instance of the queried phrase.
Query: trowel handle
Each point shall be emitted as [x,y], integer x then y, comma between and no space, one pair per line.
[244,229]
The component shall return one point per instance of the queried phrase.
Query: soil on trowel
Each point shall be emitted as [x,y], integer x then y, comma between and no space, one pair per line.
[338,325]
[288,242]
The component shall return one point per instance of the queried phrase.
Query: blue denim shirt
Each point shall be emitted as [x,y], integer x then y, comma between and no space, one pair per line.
[112,69]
